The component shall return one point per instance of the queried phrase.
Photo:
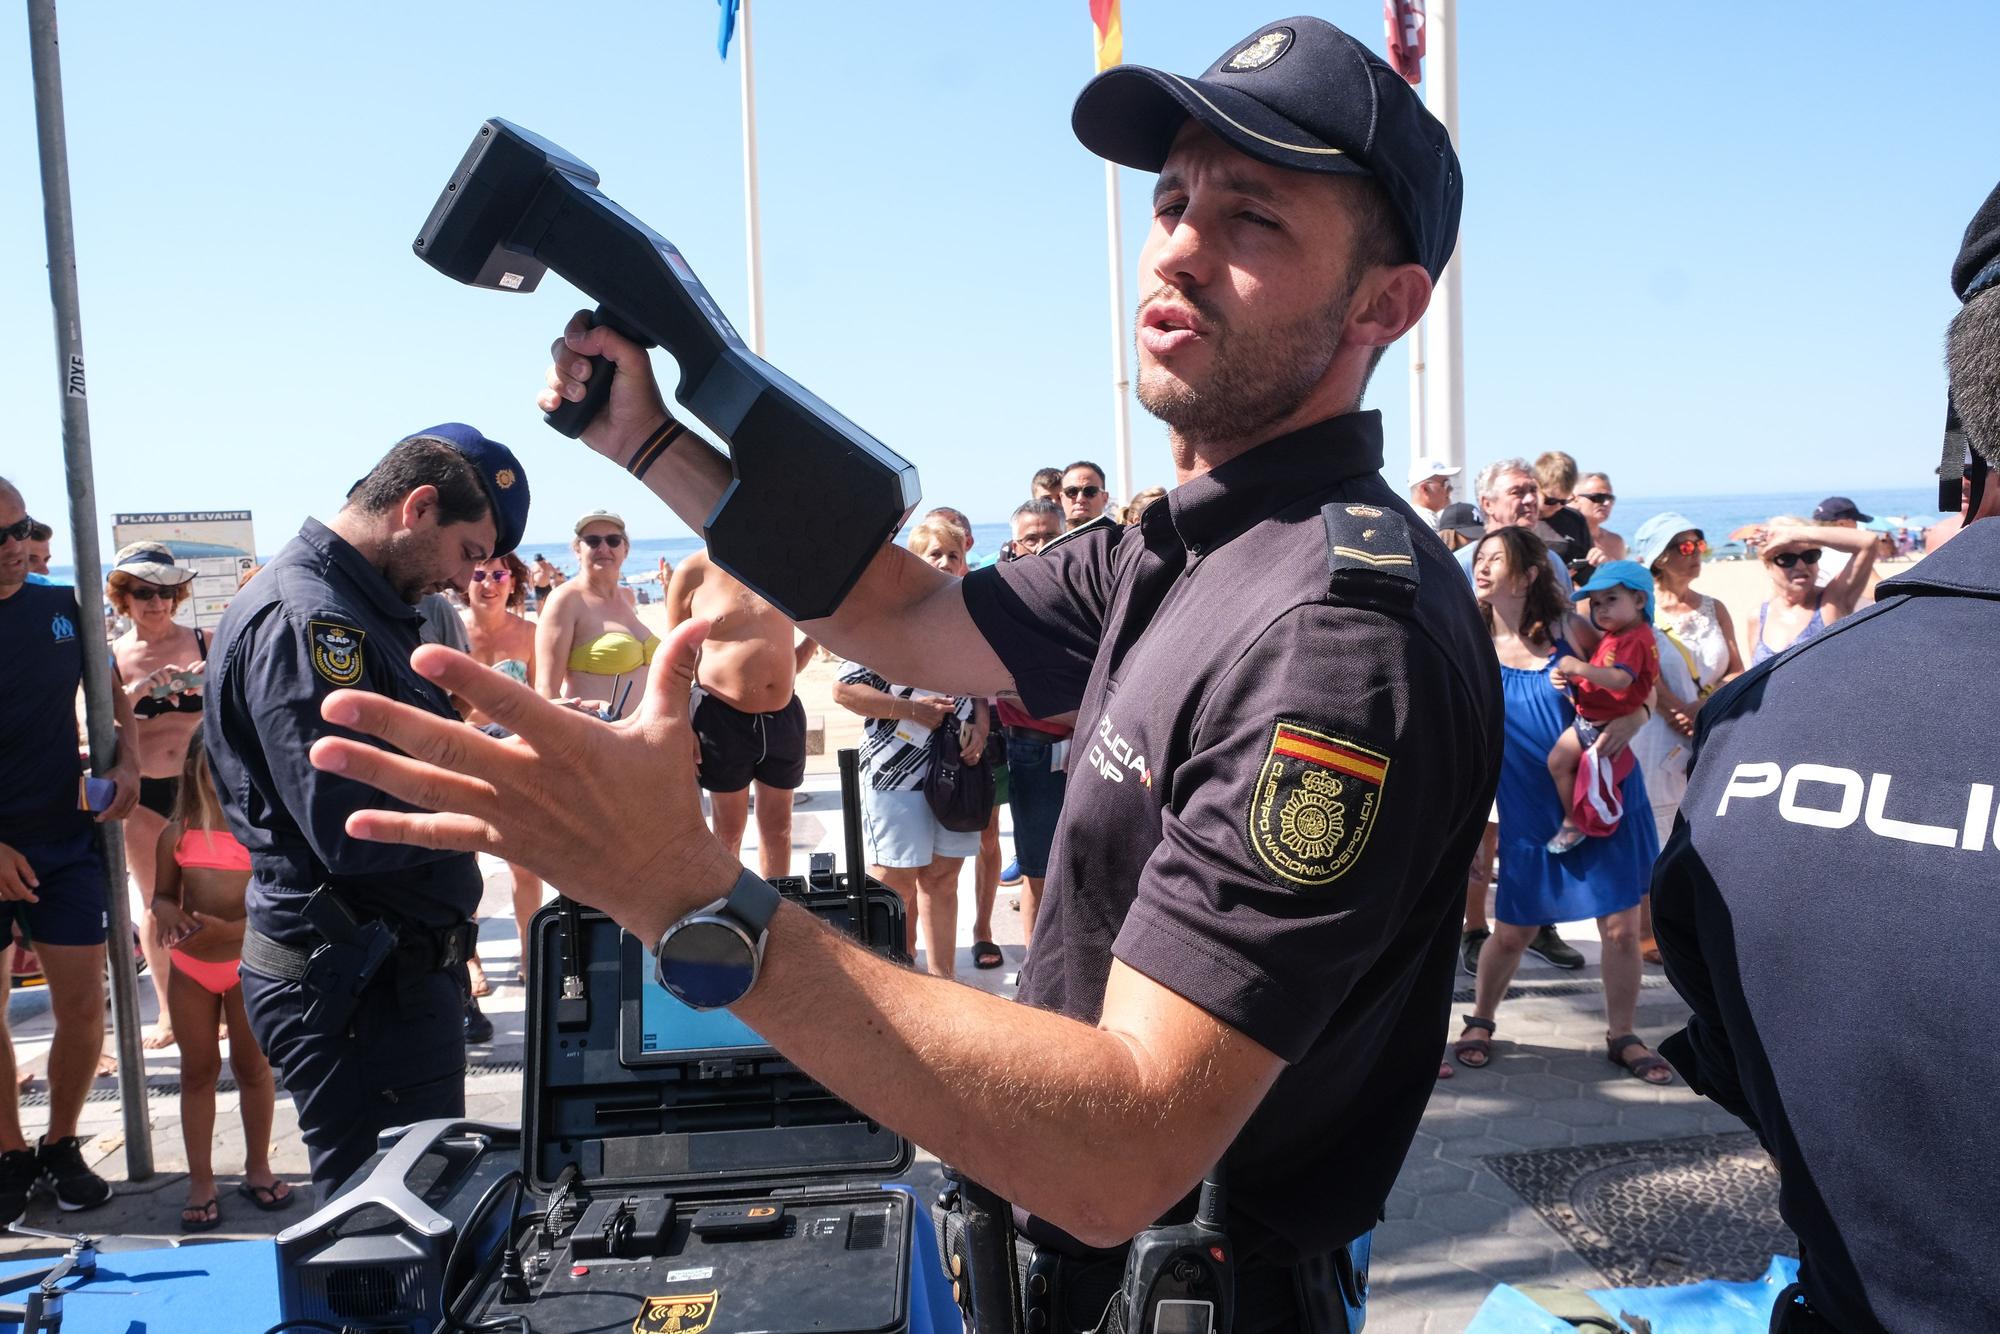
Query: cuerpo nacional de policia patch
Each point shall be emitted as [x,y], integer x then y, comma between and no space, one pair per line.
[1314,804]
[336,651]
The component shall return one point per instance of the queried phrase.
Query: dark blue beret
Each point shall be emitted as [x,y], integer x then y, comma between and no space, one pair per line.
[506,481]
[1978,264]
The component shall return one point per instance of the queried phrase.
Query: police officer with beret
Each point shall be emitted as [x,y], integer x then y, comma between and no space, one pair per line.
[1288,725]
[353,958]
[1825,906]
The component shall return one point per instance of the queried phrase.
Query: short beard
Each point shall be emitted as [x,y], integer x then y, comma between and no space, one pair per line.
[403,565]
[1256,380]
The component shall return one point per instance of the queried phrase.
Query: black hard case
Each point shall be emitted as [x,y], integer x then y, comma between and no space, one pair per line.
[740,1127]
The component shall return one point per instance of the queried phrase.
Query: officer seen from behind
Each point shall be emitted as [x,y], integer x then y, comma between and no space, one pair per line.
[354,955]
[1288,726]
[1825,906]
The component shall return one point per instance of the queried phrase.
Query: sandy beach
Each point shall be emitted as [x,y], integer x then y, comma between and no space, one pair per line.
[1741,585]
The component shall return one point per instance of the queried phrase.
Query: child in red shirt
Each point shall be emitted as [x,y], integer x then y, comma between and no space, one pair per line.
[1618,679]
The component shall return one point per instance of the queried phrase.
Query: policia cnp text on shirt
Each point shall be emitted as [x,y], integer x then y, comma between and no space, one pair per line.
[1246,942]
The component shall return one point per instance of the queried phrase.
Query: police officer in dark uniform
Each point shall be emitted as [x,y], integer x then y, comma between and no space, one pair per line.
[354,954]
[1825,906]
[1288,725]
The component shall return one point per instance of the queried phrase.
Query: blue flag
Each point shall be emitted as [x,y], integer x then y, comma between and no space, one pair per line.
[727,28]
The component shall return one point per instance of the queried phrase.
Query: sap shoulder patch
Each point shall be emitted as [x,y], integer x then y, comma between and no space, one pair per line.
[1314,804]
[1366,544]
[336,651]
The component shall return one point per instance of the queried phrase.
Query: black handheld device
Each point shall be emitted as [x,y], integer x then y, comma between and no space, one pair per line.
[814,496]
[1181,1278]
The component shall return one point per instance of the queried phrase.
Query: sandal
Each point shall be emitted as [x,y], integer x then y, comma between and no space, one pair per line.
[986,954]
[1566,839]
[1480,1047]
[476,981]
[270,1199]
[1642,1067]
[202,1217]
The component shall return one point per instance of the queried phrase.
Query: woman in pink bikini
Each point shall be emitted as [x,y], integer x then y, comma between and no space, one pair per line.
[201,873]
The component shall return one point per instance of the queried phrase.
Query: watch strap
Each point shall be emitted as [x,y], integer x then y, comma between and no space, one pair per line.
[753,900]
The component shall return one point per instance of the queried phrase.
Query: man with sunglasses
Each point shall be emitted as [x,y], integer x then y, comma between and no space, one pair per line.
[52,877]
[338,608]
[1825,904]
[1083,495]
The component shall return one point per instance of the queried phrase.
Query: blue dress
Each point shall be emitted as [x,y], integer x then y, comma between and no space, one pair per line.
[1599,877]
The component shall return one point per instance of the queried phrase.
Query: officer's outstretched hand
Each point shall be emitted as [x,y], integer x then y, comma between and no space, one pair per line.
[607,813]
[635,409]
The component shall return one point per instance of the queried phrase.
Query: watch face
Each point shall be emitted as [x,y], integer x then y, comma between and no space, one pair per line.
[707,964]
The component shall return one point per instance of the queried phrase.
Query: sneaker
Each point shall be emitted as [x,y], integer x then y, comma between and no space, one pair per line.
[1468,950]
[478,1028]
[63,1173]
[1010,874]
[19,1171]
[1554,949]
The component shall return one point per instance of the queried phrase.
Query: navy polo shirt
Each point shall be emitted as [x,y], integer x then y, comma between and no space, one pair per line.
[316,619]
[1825,906]
[1278,778]
[40,671]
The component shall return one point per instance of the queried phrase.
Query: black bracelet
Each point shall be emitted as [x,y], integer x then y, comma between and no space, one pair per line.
[656,445]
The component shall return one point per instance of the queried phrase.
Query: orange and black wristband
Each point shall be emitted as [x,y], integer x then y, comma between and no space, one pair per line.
[656,445]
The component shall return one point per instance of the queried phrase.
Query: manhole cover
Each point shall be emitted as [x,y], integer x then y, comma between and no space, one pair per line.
[1655,1212]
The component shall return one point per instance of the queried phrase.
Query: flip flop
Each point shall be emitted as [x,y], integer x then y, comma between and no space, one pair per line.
[985,954]
[1640,1068]
[202,1217]
[267,1198]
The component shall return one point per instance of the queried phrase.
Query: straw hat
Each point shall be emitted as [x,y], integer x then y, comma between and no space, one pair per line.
[152,562]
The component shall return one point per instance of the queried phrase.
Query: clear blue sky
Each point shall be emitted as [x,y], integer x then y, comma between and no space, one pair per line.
[1706,245]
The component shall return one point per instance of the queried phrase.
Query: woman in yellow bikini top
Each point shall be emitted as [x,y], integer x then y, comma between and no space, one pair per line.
[590,643]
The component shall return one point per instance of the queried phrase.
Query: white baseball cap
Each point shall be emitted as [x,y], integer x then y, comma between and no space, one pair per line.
[1426,468]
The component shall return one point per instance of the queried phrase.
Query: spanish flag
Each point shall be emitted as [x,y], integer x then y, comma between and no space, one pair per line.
[1110,33]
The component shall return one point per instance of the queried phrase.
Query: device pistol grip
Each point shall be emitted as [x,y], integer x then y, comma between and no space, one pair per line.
[573,416]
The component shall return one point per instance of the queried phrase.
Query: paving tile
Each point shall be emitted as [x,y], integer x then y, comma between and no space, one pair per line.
[1532,1132]
[1432,1176]
[1461,1215]
[1542,1088]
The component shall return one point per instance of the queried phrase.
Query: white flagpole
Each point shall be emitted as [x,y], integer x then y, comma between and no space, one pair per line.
[754,244]
[1121,415]
[1443,340]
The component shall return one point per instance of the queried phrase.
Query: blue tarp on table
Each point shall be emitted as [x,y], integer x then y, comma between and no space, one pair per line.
[1712,1307]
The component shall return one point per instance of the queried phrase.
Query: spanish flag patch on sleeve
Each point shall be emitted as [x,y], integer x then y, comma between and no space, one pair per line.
[1314,803]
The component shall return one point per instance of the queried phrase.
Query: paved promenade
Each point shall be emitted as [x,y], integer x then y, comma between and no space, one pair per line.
[1550,1166]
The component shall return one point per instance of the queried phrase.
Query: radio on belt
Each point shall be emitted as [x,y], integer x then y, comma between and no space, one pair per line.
[814,496]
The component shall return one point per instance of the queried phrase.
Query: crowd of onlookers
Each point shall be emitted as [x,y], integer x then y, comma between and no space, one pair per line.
[1606,647]
[1607,652]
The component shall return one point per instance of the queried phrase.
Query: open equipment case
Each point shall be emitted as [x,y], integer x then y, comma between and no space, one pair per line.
[693,1180]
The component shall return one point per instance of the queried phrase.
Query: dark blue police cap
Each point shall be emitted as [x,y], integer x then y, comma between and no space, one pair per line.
[1978,264]
[1298,93]
[505,480]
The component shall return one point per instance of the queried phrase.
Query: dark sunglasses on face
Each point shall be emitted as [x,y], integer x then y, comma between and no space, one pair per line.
[1596,497]
[17,532]
[612,540]
[148,593]
[1785,560]
[1086,492]
[1689,546]
[497,576]
[1554,502]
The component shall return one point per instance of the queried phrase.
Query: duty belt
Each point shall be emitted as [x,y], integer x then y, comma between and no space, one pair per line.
[427,949]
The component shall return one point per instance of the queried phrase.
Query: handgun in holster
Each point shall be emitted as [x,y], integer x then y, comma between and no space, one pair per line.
[340,969]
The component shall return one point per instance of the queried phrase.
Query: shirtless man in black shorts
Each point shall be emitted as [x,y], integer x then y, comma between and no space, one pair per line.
[750,723]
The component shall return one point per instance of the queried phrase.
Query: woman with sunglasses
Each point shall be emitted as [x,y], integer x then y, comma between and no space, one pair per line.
[590,643]
[502,639]
[160,664]
[1593,499]
[1800,608]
